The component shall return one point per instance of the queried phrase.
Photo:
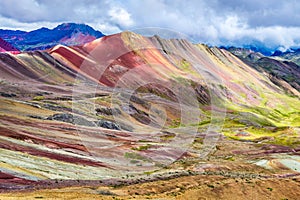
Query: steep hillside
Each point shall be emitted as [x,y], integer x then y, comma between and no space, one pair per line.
[6,47]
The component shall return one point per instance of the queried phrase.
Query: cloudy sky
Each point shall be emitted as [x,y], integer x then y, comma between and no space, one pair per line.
[216,22]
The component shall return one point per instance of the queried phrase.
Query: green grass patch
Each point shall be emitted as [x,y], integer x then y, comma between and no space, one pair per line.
[284,136]
[175,123]
[184,64]
[136,156]
[141,148]
[38,98]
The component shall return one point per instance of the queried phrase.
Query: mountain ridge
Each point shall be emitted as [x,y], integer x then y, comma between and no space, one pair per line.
[281,68]
[44,38]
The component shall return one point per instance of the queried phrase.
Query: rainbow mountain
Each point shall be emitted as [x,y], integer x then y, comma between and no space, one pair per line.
[128,105]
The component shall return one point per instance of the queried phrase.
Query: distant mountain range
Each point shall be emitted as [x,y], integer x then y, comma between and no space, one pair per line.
[281,67]
[69,34]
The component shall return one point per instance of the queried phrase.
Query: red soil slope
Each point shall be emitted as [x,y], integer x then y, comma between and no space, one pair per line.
[7,47]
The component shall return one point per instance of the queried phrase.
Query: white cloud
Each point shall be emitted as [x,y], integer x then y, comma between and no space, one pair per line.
[105,28]
[12,24]
[120,16]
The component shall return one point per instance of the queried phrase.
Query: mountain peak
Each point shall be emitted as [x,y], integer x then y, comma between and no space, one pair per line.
[67,34]
[72,26]
[79,28]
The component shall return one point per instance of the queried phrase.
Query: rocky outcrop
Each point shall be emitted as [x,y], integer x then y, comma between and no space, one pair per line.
[107,111]
[78,120]
[70,118]
[108,124]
